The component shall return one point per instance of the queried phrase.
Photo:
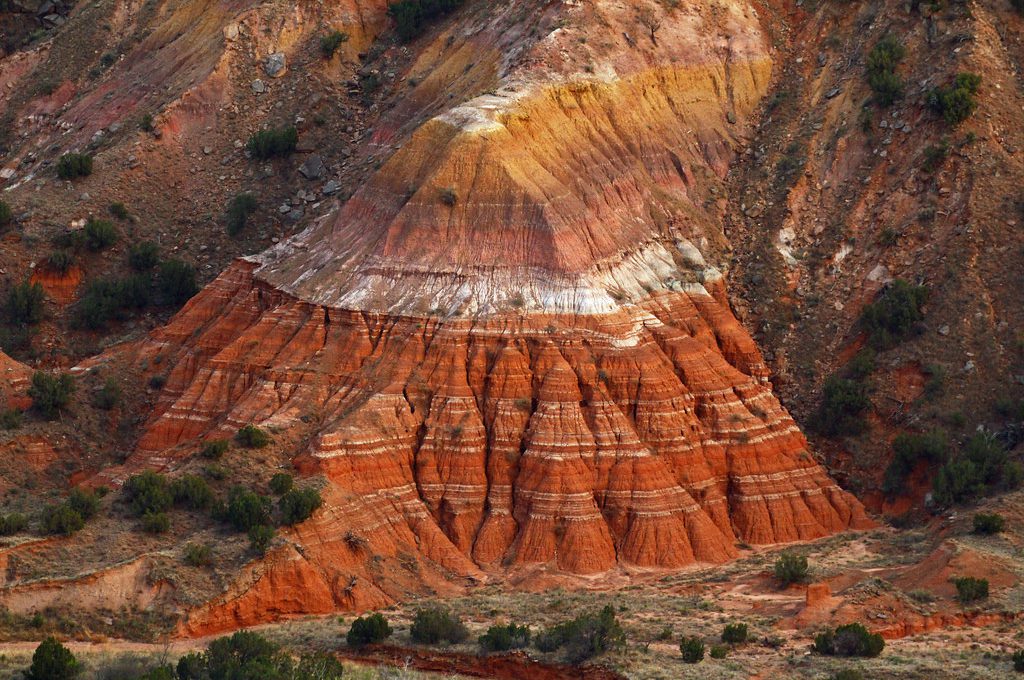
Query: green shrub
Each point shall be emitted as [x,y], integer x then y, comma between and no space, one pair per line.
[735,633]
[503,638]
[13,523]
[298,505]
[148,492]
[692,649]
[983,466]
[60,261]
[6,215]
[108,396]
[935,156]
[246,509]
[853,639]
[843,402]
[246,655]
[51,394]
[791,568]
[881,70]
[240,209]
[25,303]
[198,555]
[413,16]
[367,630]
[214,449]
[957,101]
[719,651]
[61,519]
[319,666]
[192,492]
[1018,656]
[10,419]
[908,450]
[260,537]
[989,523]
[73,165]
[894,315]
[281,483]
[119,210]
[157,381]
[449,197]
[86,503]
[330,43]
[100,234]
[970,589]
[143,256]
[109,299]
[434,625]
[273,143]
[52,661]
[584,637]
[848,674]
[176,281]
[156,522]
[252,437]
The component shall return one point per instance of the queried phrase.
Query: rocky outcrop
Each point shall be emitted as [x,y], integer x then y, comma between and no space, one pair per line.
[512,346]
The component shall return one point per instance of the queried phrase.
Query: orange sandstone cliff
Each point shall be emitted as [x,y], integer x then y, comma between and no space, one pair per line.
[513,345]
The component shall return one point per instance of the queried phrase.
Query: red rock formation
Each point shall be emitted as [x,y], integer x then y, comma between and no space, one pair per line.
[509,347]
[14,381]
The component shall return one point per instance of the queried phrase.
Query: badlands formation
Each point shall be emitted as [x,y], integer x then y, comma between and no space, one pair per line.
[512,347]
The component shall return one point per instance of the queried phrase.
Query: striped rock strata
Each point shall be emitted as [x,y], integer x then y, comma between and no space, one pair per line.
[511,346]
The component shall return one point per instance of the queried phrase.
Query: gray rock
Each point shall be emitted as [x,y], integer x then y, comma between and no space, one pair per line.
[294,215]
[332,187]
[258,87]
[275,64]
[313,168]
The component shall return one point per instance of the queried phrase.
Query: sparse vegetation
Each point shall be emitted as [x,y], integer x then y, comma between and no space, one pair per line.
[692,649]
[503,638]
[60,261]
[252,437]
[273,143]
[51,394]
[281,483]
[584,637]
[249,656]
[843,402]
[6,215]
[852,639]
[957,101]
[108,396]
[989,523]
[367,630]
[412,17]
[192,492]
[119,210]
[10,419]
[198,555]
[13,523]
[719,651]
[791,568]
[434,625]
[74,165]
[894,315]
[240,209]
[176,281]
[882,61]
[448,196]
[330,43]
[156,522]
[260,537]
[1018,656]
[62,519]
[935,155]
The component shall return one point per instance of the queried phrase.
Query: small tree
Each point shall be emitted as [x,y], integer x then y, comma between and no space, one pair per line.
[853,639]
[25,303]
[214,449]
[176,281]
[252,437]
[51,394]
[1018,661]
[988,523]
[240,209]
[791,568]
[198,555]
[100,234]
[62,519]
[957,101]
[367,630]
[735,633]
[281,483]
[192,492]
[692,649]
[267,144]
[970,589]
[148,493]
[156,522]
[247,509]
[504,638]
[260,537]
[434,625]
[143,256]
[53,661]
[298,505]
[73,165]
[6,215]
